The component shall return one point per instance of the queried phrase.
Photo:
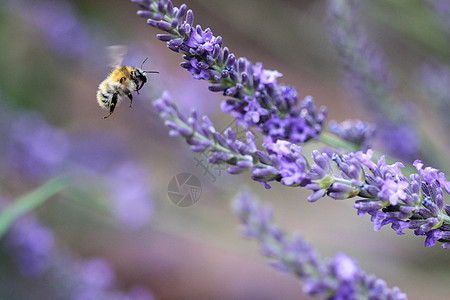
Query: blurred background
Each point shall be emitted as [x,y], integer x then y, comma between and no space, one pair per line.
[114,228]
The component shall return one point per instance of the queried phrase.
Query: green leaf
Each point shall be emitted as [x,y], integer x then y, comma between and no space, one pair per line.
[30,201]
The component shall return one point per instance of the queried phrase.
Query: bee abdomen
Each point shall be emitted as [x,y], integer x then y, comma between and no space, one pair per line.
[104,95]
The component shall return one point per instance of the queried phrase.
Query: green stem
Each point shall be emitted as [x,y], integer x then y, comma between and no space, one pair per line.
[335,142]
[446,219]
[29,202]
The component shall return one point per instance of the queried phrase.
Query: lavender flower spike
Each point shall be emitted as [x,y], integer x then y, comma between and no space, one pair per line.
[388,196]
[281,161]
[338,278]
[202,136]
[254,96]
[367,72]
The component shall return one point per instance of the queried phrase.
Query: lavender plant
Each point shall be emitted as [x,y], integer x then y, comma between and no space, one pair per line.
[31,244]
[39,255]
[336,278]
[255,98]
[366,71]
[388,195]
[434,79]
[35,148]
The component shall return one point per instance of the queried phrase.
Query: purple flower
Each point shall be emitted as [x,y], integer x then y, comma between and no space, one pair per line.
[430,174]
[345,268]
[256,96]
[31,244]
[432,237]
[203,40]
[197,70]
[320,176]
[203,137]
[92,278]
[267,77]
[288,159]
[399,139]
[299,130]
[38,255]
[392,191]
[130,193]
[96,273]
[276,127]
[435,82]
[35,147]
[339,278]
[254,112]
[278,148]
[363,62]
[368,74]
[387,195]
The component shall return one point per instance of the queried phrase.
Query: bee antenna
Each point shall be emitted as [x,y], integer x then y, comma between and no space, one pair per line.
[147,71]
[144,62]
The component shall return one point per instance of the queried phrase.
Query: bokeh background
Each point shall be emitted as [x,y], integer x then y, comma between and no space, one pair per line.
[114,228]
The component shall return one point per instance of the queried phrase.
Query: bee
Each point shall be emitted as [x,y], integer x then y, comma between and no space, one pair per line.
[121,81]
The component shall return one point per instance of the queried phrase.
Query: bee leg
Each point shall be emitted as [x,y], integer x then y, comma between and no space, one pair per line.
[131,98]
[139,87]
[112,105]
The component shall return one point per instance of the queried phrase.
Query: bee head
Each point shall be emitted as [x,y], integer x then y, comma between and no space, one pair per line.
[140,74]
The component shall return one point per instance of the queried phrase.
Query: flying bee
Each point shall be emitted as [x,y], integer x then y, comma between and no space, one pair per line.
[121,82]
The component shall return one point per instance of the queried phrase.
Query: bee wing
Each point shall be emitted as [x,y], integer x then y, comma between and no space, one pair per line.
[115,55]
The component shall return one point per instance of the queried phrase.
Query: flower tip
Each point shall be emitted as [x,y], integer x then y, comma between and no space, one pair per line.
[345,268]
[418,164]
[144,14]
